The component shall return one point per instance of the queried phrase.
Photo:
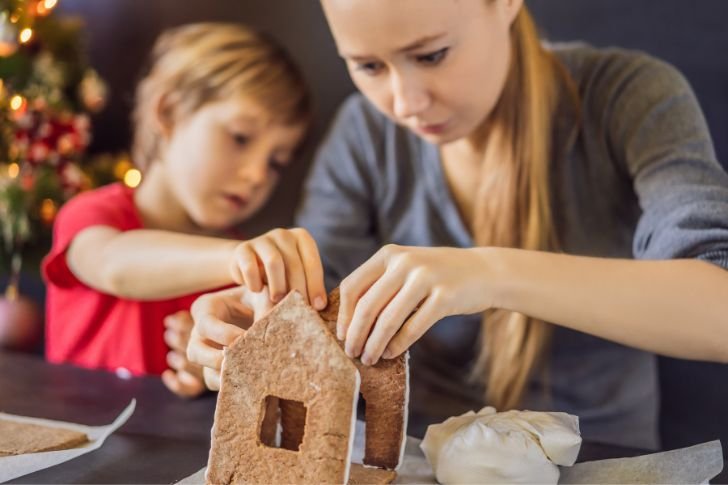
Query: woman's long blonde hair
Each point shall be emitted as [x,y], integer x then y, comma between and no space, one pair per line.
[513,205]
[196,64]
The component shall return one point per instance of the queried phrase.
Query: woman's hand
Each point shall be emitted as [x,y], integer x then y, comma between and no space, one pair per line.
[399,293]
[183,377]
[284,260]
[219,319]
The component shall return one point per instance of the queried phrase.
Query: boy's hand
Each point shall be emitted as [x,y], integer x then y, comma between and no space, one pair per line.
[183,377]
[219,319]
[283,260]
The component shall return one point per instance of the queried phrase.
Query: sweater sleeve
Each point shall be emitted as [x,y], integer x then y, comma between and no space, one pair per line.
[337,206]
[656,128]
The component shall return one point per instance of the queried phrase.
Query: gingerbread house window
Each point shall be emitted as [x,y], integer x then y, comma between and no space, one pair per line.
[280,426]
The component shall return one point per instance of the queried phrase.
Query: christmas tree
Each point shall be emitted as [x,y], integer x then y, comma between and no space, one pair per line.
[47,93]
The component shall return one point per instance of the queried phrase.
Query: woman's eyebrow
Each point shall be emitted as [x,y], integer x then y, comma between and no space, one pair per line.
[421,42]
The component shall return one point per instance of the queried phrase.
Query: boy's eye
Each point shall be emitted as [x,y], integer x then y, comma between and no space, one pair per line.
[276,165]
[371,68]
[433,58]
[240,139]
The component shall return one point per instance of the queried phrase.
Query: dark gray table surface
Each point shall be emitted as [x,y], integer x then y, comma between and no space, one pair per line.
[166,439]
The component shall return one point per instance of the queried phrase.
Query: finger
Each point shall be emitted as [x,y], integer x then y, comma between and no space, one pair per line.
[176,361]
[224,306]
[313,268]
[294,269]
[415,327]
[247,265]
[176,340]
[391,319]
[259,302]
[275,270]
[192,385]
[180,320]
[367,311]
[211,328]
[194,369]
[201,353]
[352,288]
[182,383]
[212,378]
[169,378]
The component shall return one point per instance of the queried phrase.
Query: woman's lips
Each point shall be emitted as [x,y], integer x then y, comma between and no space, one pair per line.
[432,129]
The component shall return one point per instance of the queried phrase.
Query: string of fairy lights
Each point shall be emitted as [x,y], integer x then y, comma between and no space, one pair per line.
[48,92]
[17,20]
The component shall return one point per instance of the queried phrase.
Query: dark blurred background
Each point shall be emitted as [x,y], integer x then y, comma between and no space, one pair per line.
[691,35]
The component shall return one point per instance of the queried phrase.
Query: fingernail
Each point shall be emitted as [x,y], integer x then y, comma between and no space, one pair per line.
[319,303]
[365,360]
[387,354]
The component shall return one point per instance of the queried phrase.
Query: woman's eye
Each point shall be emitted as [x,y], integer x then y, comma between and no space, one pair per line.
[370,68]
[240,139]
[433,58]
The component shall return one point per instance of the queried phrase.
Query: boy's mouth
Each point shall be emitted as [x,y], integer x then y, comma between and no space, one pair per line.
[236,201]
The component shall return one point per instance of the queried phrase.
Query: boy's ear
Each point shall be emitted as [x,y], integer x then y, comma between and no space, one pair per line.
[163,116]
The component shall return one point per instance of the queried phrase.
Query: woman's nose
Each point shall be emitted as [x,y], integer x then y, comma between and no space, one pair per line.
[410,96]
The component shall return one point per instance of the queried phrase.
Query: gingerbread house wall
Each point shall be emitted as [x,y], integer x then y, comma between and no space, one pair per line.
[288,354]
[385,390]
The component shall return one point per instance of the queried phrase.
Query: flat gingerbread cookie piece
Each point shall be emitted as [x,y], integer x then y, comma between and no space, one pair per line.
[20,438]
[364,475]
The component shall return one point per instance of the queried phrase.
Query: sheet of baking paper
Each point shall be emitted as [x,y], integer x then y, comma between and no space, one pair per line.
[19,465]
[693,465]
[697,464]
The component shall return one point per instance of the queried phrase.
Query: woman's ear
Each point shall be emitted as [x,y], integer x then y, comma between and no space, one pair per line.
[509,9]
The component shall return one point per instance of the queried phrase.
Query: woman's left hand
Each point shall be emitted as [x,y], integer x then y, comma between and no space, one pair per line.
[399,293]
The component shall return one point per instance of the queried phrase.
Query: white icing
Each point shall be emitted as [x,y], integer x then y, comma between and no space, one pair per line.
[508,447]
[352,428]
[405,410]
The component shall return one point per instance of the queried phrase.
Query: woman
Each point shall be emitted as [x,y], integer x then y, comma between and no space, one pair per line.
[516,185]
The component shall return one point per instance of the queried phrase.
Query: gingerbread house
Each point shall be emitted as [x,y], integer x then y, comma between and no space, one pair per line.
[286,410]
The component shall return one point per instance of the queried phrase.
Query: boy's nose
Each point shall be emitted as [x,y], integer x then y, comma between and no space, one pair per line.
[255,172]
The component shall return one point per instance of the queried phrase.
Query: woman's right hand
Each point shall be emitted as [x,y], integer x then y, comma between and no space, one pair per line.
[219,319]
[283,260]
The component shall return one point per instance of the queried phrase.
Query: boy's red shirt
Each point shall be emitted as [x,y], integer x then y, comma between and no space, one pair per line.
[92,329]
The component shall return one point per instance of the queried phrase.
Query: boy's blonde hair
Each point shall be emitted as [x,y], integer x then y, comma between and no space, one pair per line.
[196,64]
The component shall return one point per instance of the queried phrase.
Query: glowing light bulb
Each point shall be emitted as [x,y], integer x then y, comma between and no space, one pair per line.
[16,102]
[48,210]
[132,178]
[13,170]
[25,35]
